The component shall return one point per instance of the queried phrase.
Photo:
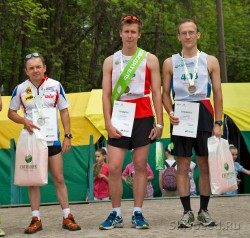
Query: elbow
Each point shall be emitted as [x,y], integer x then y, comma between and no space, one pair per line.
[9,114]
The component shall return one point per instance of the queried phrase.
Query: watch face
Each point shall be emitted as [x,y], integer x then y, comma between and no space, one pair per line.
[68,136]
[218,123]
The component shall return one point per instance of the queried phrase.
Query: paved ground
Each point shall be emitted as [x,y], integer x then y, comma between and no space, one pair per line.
[231,214]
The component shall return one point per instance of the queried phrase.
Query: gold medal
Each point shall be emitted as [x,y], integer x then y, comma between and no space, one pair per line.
[192,89]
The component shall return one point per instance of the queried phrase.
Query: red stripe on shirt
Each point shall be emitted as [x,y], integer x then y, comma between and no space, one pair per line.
[209,106]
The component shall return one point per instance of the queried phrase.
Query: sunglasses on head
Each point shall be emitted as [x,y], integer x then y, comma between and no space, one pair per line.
[131,18]
[35,54]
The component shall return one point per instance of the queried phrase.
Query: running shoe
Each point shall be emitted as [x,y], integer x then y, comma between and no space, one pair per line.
[205,219]
[187,220]
[138,221]
[35,226]
[70,224]
[2,233]
[113,221]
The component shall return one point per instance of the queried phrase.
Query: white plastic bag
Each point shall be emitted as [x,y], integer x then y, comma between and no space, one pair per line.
[221,166]
[31,167]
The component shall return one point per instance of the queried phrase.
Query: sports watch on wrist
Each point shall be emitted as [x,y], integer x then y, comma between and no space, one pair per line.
[219,123]
[69,136]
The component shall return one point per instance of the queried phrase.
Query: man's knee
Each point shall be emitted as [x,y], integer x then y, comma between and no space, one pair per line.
[59,179]
[203,166]
[114,170]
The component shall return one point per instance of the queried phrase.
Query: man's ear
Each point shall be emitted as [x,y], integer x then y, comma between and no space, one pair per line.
[179,37]
[198,35]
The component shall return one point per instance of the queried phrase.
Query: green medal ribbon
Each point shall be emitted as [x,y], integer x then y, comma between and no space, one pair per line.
[127,74]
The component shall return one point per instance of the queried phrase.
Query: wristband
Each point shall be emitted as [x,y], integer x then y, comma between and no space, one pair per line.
[159,125]
[171,113]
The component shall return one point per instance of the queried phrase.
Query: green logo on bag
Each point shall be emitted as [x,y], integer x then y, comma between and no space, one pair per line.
[226,166]
[28,158]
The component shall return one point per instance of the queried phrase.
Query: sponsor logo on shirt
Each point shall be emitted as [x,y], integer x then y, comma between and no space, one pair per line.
[28,98]
[28,90]
[50,89]
[49,96]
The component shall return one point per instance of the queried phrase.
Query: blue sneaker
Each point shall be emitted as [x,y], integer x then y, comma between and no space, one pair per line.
[113,221]
[138,221]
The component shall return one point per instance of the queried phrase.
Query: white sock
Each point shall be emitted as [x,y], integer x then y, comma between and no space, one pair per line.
[66,212]
[36,213]
[118,211]
[137,209]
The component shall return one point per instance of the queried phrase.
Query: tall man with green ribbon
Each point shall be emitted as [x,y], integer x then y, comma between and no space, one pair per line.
[129,76]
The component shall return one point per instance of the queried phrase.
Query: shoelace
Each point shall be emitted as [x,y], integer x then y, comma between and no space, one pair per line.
[139,217]
[206,215]
[111,217]
[72,219]
[185,217]
[33,222]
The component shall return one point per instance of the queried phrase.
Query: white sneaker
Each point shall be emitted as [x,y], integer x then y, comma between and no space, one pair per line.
[2,233]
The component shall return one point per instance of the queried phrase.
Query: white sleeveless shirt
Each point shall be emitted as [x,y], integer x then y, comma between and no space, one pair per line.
[180,82]
[136,87]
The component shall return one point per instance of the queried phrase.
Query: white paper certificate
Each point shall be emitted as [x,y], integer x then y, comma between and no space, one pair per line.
[188,113]
[123,117]
[47,122]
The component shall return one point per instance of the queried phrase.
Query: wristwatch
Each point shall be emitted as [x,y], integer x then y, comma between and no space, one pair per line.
[219,123]
[69,136]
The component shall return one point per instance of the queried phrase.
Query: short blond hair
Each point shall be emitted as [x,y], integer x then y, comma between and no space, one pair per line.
[131,19]
[185,20]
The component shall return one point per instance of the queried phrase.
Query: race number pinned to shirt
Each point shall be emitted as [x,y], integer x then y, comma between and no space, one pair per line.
[123,117]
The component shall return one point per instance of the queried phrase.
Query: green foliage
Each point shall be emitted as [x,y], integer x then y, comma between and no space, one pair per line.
[76,36]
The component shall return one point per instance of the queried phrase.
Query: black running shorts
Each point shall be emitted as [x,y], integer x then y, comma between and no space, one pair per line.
[54,150]
[140,133]
[183,145]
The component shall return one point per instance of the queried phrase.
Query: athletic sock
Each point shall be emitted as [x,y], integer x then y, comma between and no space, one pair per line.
[118,211]
[66,212]
[204,200]
[137,209]
[186,203]
[36,213]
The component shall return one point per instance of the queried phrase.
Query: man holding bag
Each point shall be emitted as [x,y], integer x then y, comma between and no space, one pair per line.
[128,77]
[40,97]
[191,75]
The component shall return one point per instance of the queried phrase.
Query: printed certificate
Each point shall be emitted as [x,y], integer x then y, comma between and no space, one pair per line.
[188,113]
[47,122]
[123,117]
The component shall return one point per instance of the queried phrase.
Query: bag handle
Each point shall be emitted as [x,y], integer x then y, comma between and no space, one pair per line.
[38,134]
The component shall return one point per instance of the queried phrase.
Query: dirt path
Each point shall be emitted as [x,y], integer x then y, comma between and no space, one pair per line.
[231,213]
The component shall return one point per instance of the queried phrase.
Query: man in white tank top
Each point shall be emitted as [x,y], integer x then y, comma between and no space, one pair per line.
[145,79]
[191,75]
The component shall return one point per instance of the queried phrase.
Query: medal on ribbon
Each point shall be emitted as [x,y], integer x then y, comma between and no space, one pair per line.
[41,120]
[191,87]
